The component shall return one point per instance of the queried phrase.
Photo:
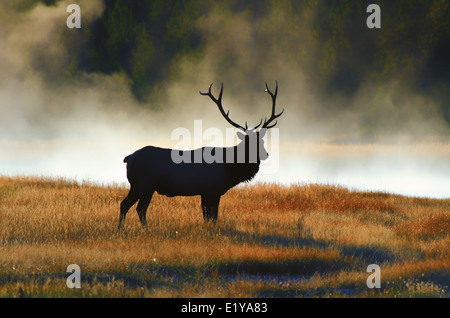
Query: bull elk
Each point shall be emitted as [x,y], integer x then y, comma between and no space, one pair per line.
[153,169]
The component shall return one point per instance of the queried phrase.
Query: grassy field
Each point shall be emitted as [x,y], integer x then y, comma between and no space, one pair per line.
[270,241]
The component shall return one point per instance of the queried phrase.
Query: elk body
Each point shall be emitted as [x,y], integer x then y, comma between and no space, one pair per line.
[153,169]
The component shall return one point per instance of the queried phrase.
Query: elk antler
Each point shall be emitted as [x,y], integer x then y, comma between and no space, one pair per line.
[273,116]
[218,102]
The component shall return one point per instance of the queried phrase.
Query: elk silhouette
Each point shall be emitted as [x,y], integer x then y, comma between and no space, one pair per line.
[153,169]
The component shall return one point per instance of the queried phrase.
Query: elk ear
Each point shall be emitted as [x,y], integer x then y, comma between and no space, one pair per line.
[240,135]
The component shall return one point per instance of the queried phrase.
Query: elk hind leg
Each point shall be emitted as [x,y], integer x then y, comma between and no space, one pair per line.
[126,204]
[142,207]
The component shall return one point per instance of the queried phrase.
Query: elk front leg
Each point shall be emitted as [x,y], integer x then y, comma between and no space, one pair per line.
[210,207]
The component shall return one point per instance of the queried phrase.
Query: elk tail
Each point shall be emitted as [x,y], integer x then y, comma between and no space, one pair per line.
[127,159]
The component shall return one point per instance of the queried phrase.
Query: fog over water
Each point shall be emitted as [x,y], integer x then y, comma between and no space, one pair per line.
[83,128]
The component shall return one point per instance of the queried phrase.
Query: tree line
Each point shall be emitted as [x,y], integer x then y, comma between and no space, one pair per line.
[146,39]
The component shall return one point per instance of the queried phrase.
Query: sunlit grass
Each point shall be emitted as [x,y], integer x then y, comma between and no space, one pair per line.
[270,241]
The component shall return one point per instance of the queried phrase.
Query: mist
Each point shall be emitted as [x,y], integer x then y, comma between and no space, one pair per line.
[379,136]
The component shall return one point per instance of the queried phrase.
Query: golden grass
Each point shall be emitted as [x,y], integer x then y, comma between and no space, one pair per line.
[270,241]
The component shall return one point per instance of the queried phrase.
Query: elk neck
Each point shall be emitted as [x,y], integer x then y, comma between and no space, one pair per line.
[240,170]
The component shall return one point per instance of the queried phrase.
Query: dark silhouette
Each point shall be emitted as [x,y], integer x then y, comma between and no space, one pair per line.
[153,169]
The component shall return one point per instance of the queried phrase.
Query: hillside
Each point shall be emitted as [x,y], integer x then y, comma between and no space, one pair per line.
[270,241]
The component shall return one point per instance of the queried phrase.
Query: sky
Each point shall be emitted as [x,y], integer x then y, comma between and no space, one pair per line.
[83,128]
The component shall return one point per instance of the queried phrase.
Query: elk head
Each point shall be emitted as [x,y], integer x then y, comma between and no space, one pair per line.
[252,138]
